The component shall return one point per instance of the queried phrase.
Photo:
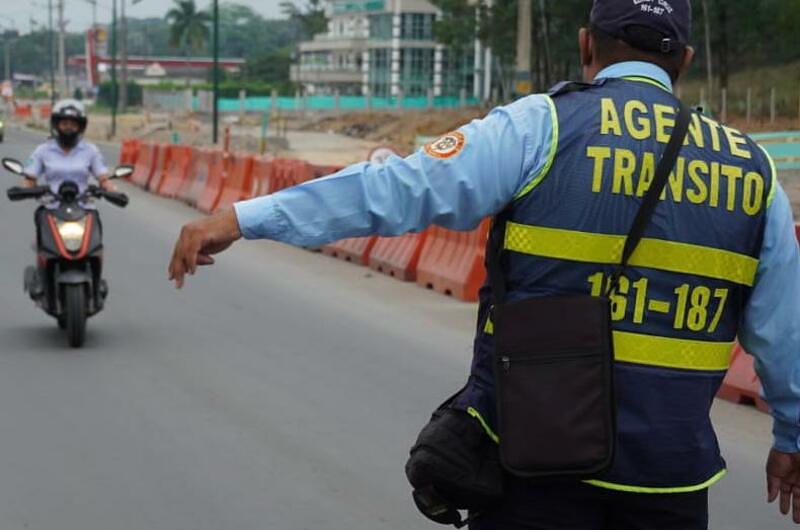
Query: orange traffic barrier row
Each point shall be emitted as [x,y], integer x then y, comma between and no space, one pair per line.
[448,261]
[398,256]
[452,262]
[741,384]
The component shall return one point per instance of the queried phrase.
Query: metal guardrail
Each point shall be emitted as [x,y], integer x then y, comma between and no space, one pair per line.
[343,103]
[783,147]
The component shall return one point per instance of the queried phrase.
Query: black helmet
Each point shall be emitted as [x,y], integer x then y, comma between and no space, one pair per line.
[68,109]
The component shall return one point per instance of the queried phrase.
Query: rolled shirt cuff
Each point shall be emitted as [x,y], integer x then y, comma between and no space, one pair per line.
[260,218]
[787,437]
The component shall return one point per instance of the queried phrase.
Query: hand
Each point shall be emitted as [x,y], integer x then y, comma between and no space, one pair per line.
[28,183]
[107,185]
[199,240]
[783,478]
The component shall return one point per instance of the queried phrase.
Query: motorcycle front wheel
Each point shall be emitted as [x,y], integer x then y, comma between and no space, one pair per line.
[75,314]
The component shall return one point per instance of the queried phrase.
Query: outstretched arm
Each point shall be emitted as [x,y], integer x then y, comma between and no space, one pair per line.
[453,182]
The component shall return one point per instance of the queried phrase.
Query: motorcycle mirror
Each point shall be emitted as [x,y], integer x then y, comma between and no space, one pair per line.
[14,166]
[122,172]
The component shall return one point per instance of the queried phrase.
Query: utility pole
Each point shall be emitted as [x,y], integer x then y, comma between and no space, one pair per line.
[7,62]
[62,66]
[123,46]
[51,52]
[113,68]
[215,112]
[708,58]
[487,63]
[523,85]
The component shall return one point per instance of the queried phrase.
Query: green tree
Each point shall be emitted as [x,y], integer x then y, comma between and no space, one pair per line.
[188,26]
[245,33]
[498,30]
[30,52]
[309,18]
[271,66]
[456,29]
[560,21]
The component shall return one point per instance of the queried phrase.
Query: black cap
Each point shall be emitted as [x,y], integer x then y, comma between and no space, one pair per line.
[652,25]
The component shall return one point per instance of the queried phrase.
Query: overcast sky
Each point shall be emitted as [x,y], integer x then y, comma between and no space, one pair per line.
[79,12]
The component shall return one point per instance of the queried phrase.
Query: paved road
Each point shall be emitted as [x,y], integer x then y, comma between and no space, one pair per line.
[280,390]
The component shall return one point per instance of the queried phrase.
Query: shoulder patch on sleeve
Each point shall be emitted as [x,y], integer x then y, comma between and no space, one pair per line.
[447,146]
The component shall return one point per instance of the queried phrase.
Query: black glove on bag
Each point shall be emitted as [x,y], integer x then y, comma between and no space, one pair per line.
[453,466]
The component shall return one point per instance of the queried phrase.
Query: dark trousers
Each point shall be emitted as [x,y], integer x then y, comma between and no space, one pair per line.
[578,506]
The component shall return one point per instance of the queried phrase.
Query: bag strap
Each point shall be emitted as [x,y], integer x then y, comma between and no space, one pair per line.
[640,222]
[651,198]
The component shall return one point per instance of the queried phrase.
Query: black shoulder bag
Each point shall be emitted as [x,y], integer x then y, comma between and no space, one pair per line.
[554,360]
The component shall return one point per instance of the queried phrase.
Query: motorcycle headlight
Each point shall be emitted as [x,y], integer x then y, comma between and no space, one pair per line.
[71,233]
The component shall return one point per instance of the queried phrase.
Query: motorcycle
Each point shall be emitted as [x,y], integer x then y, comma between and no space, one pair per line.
[67,281]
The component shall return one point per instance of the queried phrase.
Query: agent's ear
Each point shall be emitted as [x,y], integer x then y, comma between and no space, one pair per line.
[585,45]
[688,57]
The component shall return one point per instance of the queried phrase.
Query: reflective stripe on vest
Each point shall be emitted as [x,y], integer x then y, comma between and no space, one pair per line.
[605,249]
[666,352]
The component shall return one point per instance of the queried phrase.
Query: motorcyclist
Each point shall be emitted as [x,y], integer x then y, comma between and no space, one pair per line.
[66,156]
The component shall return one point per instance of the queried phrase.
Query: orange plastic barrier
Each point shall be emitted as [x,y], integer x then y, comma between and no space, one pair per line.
[145,164]
[287,172]
[45,111]
[197,159]
[175,171]
[161,161]
[741,384]
[207,187]
[124,148]
[452,262]
[324,171]
[238,185]
[129,150]
[262,175]
[354,249]
[398,256]
[23,111]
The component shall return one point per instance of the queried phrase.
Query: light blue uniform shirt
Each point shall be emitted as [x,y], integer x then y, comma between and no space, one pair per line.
[52,166]
[502,154]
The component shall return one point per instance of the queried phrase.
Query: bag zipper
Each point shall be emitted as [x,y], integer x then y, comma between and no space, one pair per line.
[506,360]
